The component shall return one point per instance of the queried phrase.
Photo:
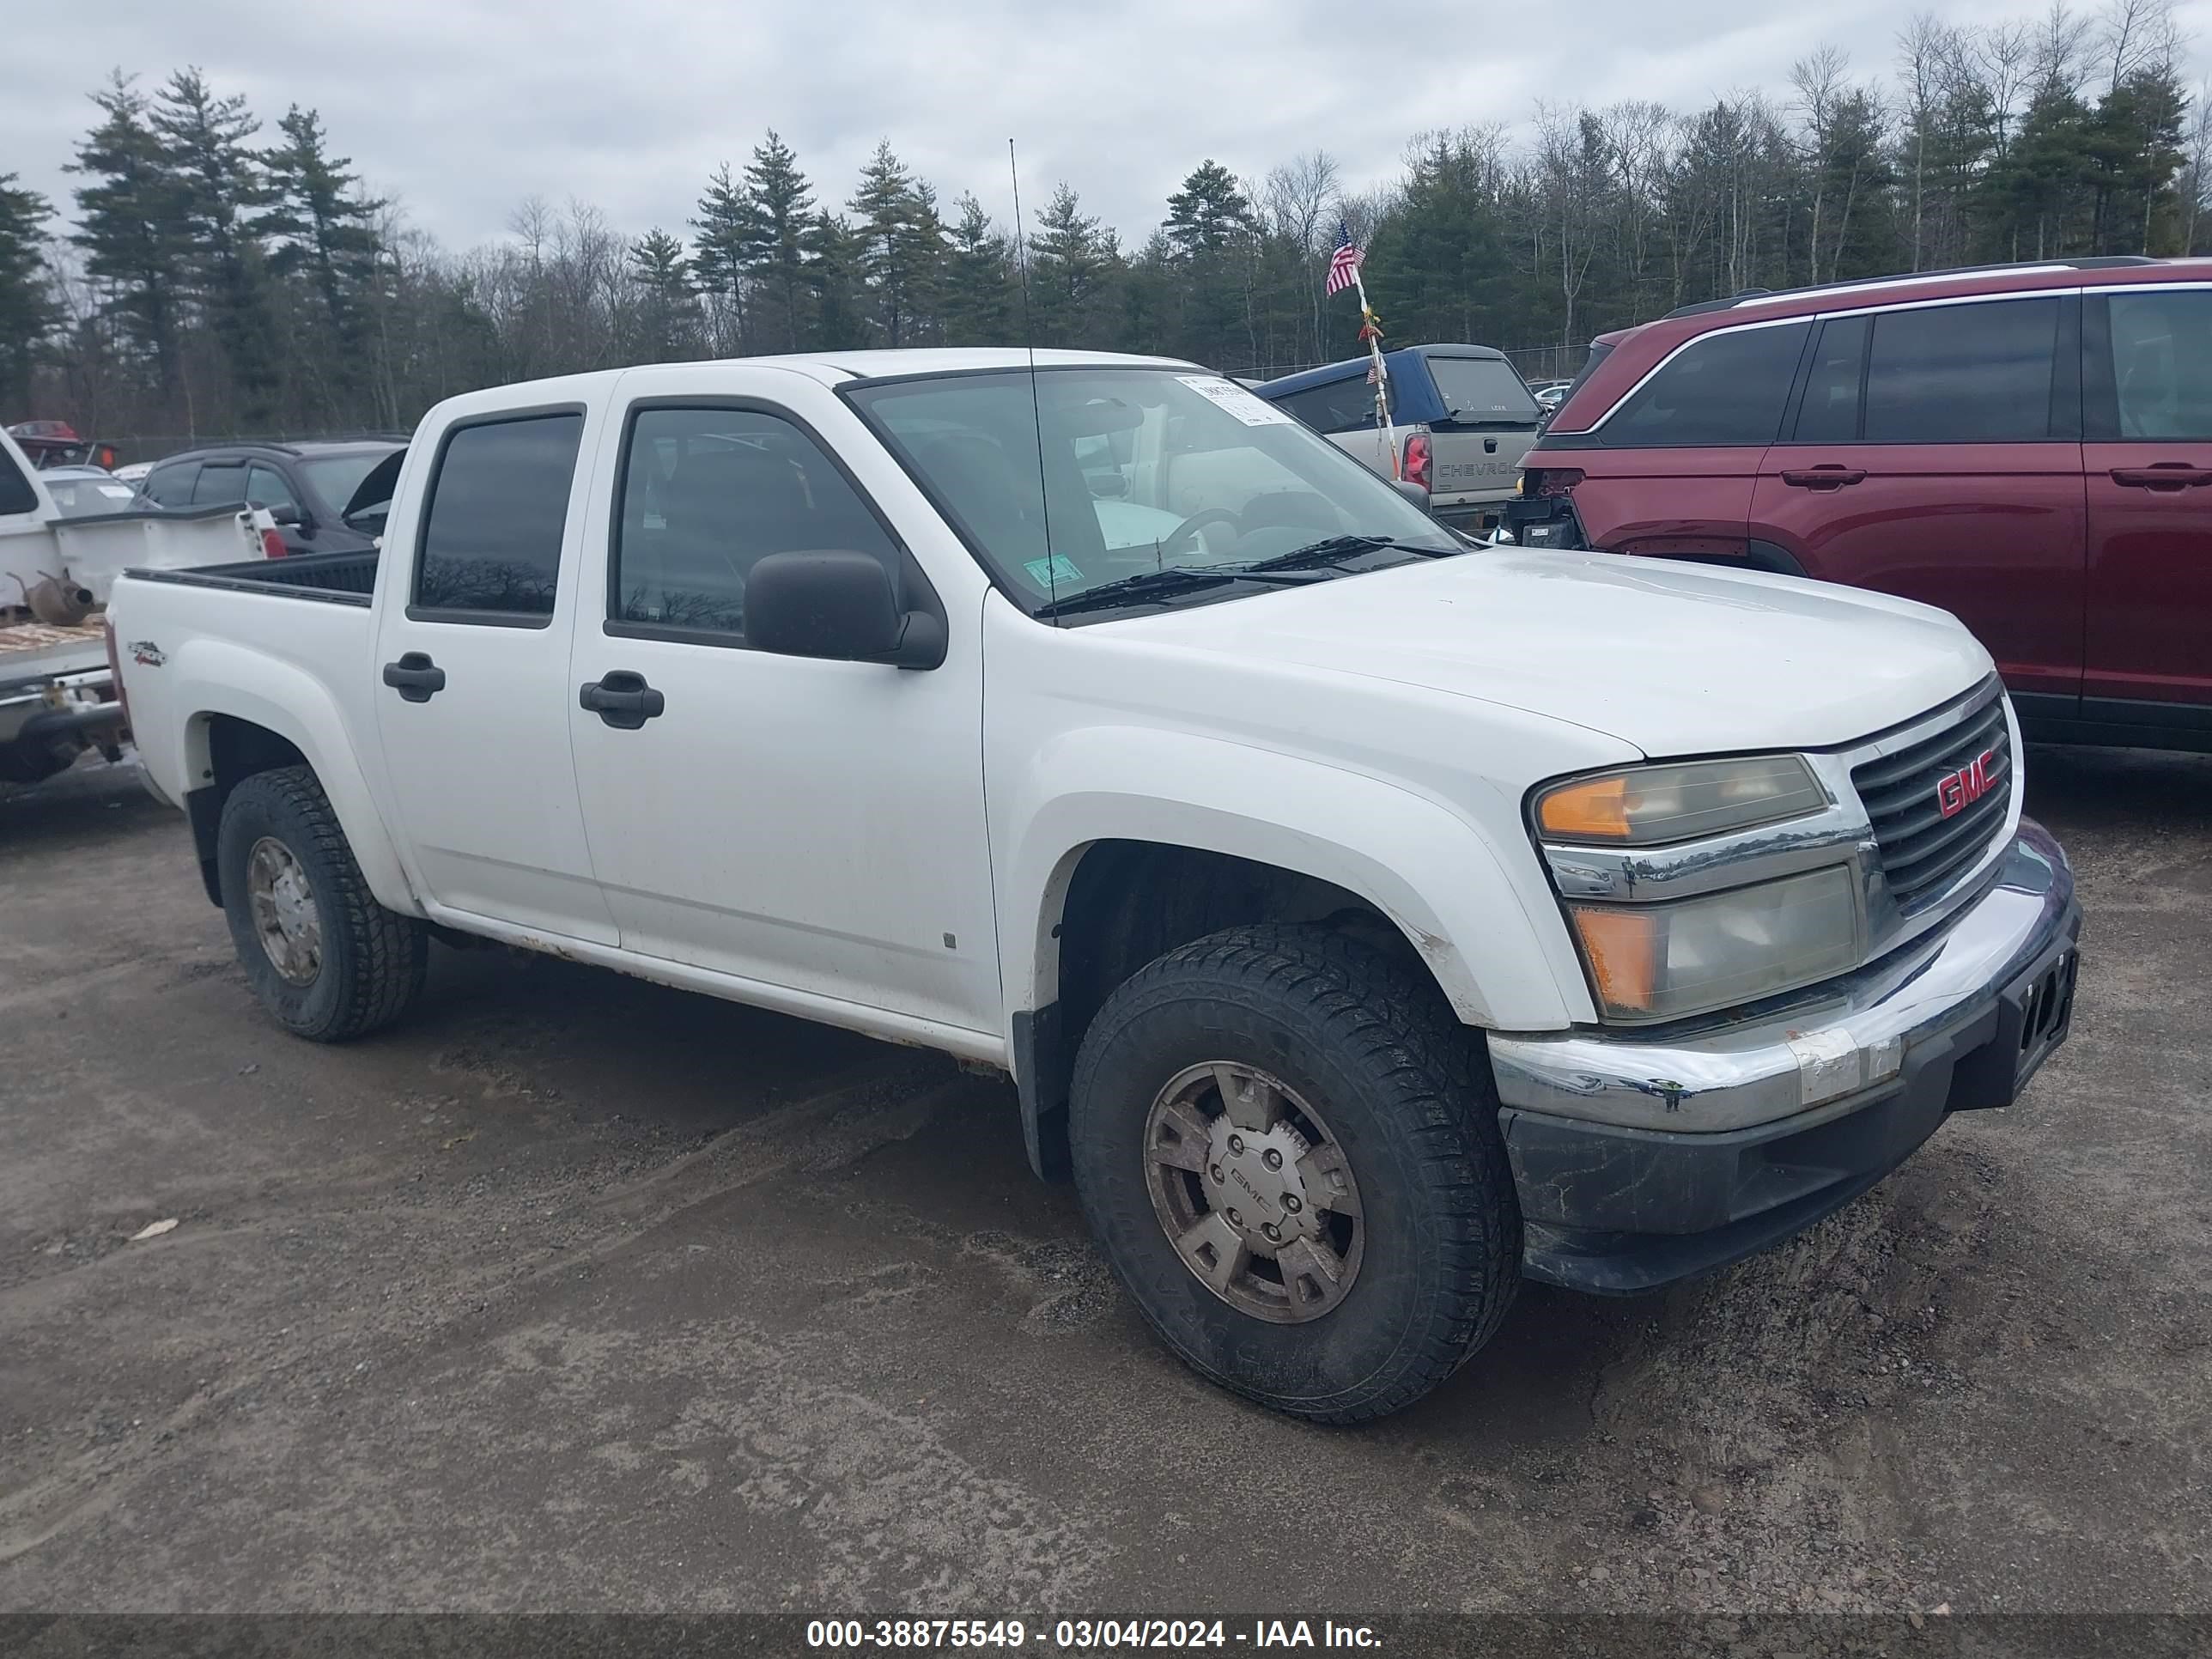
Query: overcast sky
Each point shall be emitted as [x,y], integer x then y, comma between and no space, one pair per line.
[460,108]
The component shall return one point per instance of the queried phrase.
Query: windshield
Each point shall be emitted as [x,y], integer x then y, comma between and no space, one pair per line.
[1142,471]
[337,476]
[1482,389]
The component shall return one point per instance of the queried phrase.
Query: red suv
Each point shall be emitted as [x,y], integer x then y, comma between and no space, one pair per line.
[2022,445]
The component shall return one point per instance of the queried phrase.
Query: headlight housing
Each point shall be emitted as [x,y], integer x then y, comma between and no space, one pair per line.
[1652,805]
[1675,909]
[1658,962]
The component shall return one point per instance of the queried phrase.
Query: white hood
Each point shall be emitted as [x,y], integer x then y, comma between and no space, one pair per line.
[1675,659]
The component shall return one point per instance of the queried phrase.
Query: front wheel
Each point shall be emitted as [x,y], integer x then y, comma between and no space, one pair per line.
[324,958]
[1290,1151]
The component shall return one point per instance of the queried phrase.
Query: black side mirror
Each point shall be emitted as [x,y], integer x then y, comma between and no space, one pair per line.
[838,605]
[288,514]
[1415,493]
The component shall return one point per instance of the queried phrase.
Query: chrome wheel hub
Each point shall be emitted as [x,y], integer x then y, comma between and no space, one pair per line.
[1253,1193]
[283,904]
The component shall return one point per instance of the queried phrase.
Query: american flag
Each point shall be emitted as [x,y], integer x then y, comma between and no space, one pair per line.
[1344,265]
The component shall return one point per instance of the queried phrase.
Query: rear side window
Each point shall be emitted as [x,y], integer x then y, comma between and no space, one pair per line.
[707,494]
[172,486]
[1830,412]
[1343,405]
[220,484]
[499,506]
[1723,389]
[1962,375]
[2162,362]
[1479,389]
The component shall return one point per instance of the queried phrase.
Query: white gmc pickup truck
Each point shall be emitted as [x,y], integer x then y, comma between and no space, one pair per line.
[1369,919]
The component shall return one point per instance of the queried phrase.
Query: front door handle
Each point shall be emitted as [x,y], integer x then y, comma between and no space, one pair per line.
[2161,475]
[415,676]
[622,699]
[1824,477]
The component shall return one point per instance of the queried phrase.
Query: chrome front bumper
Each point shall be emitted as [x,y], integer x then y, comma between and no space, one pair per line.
[1852,1037]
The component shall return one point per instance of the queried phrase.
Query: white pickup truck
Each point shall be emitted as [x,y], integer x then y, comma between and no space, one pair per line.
[1369,919]
[57,688]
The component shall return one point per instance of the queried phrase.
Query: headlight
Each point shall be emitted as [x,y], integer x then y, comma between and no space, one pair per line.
[1647,806]
[1652,961]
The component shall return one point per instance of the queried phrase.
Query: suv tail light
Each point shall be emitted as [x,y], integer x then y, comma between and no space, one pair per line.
[1417,469]
[1551,483]
[272,544]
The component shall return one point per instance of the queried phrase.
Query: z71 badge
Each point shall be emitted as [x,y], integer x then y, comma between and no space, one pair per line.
[145,653]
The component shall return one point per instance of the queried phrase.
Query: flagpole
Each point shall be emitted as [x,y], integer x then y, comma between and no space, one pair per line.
[1373,335]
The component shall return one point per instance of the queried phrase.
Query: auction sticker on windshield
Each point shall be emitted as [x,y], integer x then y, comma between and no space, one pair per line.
[1253,411]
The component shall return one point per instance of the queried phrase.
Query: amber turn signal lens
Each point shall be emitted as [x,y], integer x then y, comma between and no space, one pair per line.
[1597,807]
[1622,948]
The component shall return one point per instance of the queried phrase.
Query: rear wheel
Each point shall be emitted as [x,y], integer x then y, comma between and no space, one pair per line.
[324,958]
[1290,1149]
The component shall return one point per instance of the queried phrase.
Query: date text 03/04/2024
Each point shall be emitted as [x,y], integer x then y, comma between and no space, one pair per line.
[1086,1635]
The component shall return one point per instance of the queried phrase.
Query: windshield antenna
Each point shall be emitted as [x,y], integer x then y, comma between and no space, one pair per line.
[1036,414]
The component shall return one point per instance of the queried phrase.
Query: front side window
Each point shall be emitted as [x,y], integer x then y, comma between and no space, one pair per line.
[707,494]
[1724,389]
[1218,479]
[172,486]
[2162,362]
[1962,375]
[220,482]
[498,508]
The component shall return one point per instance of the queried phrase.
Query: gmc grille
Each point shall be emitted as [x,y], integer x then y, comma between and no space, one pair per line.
[1904,794]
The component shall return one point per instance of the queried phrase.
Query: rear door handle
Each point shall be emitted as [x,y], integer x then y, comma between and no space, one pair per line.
[1824,477]
[622,699]
[2161,475]
[415,676]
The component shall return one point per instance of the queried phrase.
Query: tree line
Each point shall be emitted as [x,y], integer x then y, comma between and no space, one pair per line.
[215,278]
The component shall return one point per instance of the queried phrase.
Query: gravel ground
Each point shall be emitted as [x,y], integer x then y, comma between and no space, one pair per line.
[573,1292]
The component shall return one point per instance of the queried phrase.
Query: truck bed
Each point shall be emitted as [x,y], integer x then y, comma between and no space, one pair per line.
[332,578]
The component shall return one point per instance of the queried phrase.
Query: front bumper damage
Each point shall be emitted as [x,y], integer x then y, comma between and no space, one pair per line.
[1642,1160]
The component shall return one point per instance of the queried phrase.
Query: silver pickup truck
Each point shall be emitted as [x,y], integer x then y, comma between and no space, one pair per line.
[1460,419]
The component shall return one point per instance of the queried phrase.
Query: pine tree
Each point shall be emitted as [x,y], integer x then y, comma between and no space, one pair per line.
[28,311]
[719,261]
[980,292]
[1209,212]
[322,229]
[206,141]
[131,225]
[901,247]
[1073,264]
[1209,232]
[837,318]
[780,227]
[667,318]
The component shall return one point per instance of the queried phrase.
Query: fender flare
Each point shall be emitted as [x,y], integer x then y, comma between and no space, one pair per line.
[213,677]
[1430,871]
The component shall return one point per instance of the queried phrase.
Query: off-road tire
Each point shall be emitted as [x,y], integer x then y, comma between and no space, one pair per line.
[373,961]
[1404,1088]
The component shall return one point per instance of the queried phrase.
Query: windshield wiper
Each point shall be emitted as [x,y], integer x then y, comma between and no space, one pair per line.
[1317,554]
[1164,584]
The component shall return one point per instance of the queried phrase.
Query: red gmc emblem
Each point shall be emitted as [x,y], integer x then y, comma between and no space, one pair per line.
[1956,791]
